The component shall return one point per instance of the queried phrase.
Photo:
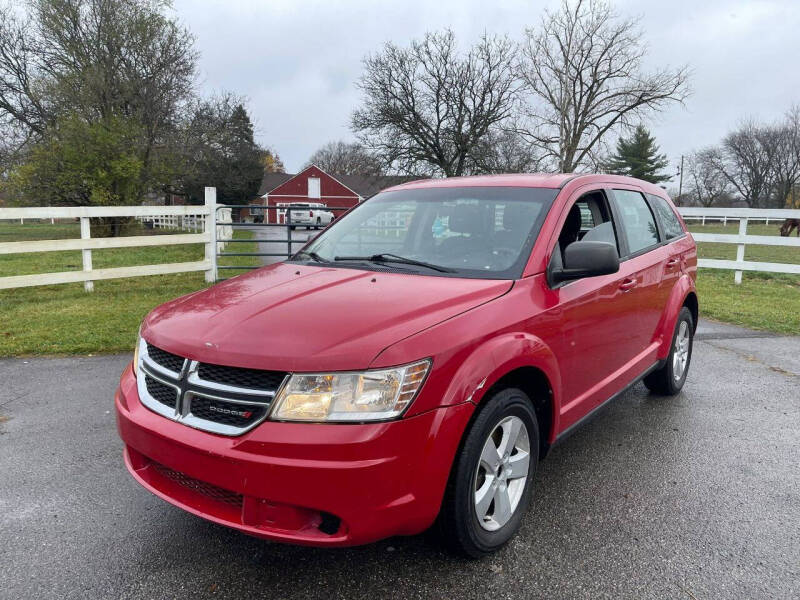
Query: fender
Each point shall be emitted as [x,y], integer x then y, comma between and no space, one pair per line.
[499,356]
[470,378]
[666,326]
[513,351]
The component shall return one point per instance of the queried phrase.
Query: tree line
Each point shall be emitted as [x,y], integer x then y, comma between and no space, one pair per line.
[549,102]
[98,106]
[757,163]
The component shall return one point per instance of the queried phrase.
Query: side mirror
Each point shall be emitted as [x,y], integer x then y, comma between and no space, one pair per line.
[587,259]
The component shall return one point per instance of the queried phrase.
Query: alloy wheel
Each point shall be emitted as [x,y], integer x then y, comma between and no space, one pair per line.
[501,473]
[680,354]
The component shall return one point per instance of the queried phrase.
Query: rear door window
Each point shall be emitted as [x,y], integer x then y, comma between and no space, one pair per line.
[638,222]
[669,221]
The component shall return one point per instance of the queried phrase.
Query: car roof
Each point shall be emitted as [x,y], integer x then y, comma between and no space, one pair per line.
[534,180]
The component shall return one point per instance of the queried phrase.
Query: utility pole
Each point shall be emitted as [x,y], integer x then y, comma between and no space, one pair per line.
[680,182]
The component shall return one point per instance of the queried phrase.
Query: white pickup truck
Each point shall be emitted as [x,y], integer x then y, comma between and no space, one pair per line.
[310,215]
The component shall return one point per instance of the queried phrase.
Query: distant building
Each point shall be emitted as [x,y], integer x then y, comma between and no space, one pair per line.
[313,185]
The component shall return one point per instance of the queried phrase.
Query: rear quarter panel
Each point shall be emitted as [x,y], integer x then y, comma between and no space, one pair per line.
[685,285]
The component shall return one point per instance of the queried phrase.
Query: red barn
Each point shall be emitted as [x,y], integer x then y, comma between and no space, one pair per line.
[313,185]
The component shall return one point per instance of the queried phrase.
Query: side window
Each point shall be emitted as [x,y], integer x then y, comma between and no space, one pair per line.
[669,222]
[638,222]
[589,219]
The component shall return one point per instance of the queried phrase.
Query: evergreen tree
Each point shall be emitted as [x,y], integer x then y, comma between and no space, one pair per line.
[638,156]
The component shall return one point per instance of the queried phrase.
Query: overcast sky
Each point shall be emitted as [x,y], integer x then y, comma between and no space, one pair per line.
[297,60]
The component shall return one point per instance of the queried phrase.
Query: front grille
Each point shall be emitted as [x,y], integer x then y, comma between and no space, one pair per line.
[201,487]
[237,376]
[166,359]
[227,413]
[224,400]
[162,393]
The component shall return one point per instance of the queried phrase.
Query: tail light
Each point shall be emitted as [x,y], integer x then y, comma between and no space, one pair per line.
[311,213]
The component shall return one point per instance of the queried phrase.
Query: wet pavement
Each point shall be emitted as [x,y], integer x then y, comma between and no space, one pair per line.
[692,497]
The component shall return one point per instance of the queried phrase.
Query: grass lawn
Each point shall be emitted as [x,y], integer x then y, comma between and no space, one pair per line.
[768,301]
[12,231]
[64,319]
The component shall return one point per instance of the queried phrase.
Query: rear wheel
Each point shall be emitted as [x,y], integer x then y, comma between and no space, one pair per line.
[490,484]
[669,379]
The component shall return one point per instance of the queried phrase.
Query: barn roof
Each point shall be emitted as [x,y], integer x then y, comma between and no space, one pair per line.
[271,181]
[363,185]
[369,185]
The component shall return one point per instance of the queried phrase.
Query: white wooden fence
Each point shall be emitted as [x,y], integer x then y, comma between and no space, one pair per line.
[86,243]
[194,222]
[215,228]
[182,222]
[742,239]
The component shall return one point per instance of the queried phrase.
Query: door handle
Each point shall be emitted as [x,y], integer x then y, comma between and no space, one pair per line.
[673,261]
[627,284]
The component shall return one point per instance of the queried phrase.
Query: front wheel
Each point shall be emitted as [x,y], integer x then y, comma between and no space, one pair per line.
[669,379]
[490,484]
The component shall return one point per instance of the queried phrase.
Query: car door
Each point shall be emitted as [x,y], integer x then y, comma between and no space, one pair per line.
[673,255]
[646,260]
[595,317]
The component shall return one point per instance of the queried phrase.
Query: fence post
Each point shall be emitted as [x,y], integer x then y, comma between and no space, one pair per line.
[737,278]
[224,227]
[211,229]
[86,233]
[288,220]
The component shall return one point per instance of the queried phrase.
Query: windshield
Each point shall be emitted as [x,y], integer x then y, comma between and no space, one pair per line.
[480,232]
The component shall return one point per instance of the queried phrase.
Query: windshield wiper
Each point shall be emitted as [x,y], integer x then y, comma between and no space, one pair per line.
[312,255]
[394,258]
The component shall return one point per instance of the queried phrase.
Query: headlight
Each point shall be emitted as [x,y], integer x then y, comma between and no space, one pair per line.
[365,396]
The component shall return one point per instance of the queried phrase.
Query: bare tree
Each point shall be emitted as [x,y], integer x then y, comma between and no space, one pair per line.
[504,152]
[745,161]
[427,107]
[784,140]
[23,99]
[584,77]
[706,184]
[344,158]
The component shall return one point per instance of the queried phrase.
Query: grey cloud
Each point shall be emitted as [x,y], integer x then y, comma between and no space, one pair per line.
[298,61]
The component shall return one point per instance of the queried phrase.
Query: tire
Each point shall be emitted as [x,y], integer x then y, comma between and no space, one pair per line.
[669,379]
[474,528]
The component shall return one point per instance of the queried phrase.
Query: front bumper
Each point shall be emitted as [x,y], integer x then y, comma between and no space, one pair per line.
[314,484]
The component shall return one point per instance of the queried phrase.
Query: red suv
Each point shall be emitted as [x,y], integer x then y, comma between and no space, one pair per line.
[413,363]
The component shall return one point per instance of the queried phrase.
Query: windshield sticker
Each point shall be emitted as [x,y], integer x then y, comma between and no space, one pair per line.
[438,228]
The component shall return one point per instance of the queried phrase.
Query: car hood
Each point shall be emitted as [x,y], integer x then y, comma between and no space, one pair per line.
[307,318]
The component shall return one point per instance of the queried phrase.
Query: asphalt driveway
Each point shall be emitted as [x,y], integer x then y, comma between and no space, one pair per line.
[267,238]
[691,497]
